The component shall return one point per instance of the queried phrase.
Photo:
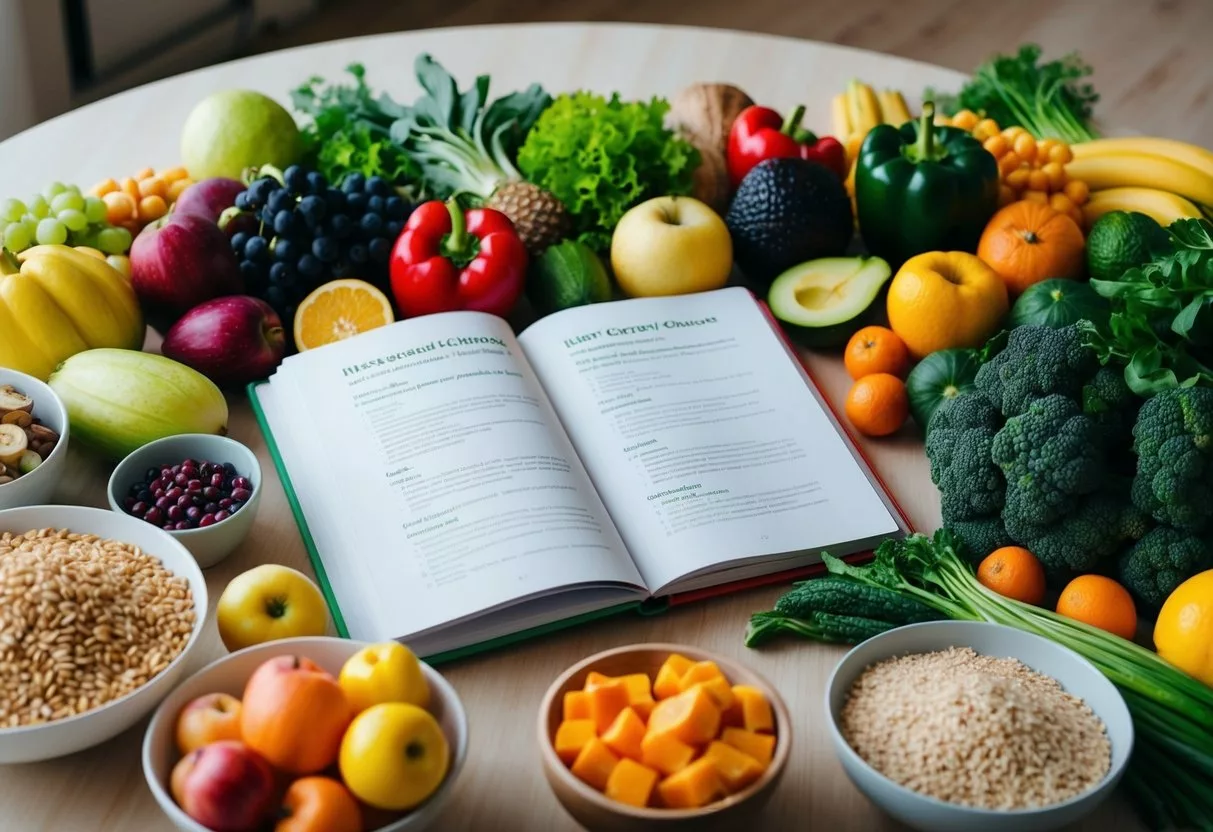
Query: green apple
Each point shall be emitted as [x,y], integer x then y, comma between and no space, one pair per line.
[269,602]
[231,130]
[671,245]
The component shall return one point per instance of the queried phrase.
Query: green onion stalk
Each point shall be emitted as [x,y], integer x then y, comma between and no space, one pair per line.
[1170,774]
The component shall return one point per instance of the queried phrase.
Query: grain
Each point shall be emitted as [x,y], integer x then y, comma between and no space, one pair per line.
[83,621]
[975,730]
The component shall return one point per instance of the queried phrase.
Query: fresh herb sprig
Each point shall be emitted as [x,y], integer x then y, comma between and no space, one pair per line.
[1050,100]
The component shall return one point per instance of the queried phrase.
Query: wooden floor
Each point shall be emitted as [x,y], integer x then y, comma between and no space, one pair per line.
[1154,68]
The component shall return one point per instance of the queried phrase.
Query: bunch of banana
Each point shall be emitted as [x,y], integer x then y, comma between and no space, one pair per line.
[860,108]
[1163,178]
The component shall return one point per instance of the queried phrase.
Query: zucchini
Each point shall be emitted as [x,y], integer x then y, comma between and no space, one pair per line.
[837,595]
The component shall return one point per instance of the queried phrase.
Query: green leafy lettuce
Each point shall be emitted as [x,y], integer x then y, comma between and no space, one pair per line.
[602,156]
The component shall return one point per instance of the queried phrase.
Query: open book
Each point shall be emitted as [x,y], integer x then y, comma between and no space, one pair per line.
[458,484]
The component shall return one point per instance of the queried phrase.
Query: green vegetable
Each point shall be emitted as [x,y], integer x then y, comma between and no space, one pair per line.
[921,187]
[567,274]
[1036,362]
[1162,560]
[940,378]
[818,626]
[1049,100]
[347,130]
[838,596]
[1172,761]
[958,444]
[1173,440]
[1059,302]
[1123,240]
[601,156]
[1161,326]
[462,142]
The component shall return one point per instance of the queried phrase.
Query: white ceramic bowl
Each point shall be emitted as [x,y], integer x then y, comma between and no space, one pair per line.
[229,675]
[210,544]
[36,487]
[1078,676]
[66,736]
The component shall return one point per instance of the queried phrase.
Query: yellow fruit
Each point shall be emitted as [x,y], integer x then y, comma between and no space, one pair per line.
[1190,154]
[1183,632]
[1139,170]
[1164,207]
[945,299]
[387,672]
[338,310]
[841,118]
[269,602]
[394,756]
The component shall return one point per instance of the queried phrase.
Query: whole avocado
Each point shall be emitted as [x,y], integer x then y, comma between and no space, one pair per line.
[787,212]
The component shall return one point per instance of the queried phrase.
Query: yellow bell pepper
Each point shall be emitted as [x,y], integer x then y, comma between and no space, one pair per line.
[387,672]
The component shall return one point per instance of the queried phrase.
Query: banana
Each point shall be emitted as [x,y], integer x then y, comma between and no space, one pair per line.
[862,106]
[1188,154]
[893,109]
[1119,170]
[842,119]
[1164,207]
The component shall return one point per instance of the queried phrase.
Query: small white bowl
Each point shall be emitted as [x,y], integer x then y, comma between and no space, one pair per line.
[230,674]
[210,544]
[36,487]
[918,811]
[30,743]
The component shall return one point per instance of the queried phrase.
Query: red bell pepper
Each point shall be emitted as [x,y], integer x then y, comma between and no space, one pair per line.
[447,260]
[758,134]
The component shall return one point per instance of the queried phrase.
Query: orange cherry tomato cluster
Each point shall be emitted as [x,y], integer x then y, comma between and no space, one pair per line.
[1030,169]
[142,198]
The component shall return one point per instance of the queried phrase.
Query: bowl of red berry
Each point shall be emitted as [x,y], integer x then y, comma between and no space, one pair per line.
[202,489]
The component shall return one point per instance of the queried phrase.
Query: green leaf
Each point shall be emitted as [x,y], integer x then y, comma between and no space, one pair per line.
[1192,233]
[440,88]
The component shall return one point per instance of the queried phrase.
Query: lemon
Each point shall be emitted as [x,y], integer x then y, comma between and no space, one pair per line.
[1183,633]
[233,129]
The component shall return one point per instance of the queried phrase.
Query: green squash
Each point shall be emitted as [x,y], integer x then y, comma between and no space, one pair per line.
[1059,302]
[938,378]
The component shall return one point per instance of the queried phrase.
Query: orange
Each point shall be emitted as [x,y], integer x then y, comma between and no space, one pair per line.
[340,309]
[945,300]
[1100,602]
[877,404]
[1183,633]
[876,349]
[1013,572]
[1027,242]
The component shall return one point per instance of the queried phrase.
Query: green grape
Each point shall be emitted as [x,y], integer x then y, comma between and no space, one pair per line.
[73,219]
[88,238]
[51,232]
[113,240]
[17,237]
[54,189]
[94,209]
[38,207]
[14,210]
[67,201]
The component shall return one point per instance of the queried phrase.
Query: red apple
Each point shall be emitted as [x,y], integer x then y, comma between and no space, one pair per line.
[179,261]
[225,786]
[207,719]
[209,197]
[231,340]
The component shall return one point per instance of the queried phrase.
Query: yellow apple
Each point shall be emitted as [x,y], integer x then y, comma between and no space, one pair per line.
[671,245]
[267,603]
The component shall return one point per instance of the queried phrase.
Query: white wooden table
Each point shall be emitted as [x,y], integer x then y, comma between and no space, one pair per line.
[502,786]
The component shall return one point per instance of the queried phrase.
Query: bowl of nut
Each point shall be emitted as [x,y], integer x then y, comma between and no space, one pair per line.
[33,440]
[99,614]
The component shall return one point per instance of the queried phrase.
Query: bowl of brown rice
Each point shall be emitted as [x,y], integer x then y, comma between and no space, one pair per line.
[962,725]
[99,612]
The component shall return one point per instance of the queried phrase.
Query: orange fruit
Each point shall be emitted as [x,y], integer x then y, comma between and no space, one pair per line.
[1027,242]
[877,404]
[1013,572]
[945,300]
[340,309]
[876,349]
[1100,602]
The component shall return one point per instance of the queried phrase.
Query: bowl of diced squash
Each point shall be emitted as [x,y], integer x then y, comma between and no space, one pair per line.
[662,737]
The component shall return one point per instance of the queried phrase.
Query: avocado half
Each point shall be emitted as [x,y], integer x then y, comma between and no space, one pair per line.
[823,302]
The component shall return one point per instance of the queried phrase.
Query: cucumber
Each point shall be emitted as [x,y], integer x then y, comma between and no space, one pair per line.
[823,302]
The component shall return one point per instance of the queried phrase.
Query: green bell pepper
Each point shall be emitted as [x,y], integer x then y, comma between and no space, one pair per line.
[922,187]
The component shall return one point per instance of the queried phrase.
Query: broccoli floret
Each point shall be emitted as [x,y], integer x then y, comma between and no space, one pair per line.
[1161,561]
[958,442]
[1051,454]
[1173,440]
[981,536]
[1036,362]
[1095,529]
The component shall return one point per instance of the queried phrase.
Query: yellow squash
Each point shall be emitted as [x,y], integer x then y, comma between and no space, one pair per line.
[56,302]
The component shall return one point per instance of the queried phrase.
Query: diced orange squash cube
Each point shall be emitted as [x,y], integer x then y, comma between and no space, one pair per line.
[595,763]
[696,785]
[576,705]
[666,753]
[700,672]
[692,716]
[640,693]
[679,663]
[632,783]
[759,746]
[606,701]
[625,734]
[734,715]
[595,679]
[755,709]
[736,768]
[571,737]
[667,682]
[717,688]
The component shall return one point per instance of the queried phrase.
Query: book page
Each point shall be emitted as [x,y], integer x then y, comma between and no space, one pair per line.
[436,481]
[701,434]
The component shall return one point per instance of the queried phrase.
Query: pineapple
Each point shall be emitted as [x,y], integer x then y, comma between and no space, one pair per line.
[539,217]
